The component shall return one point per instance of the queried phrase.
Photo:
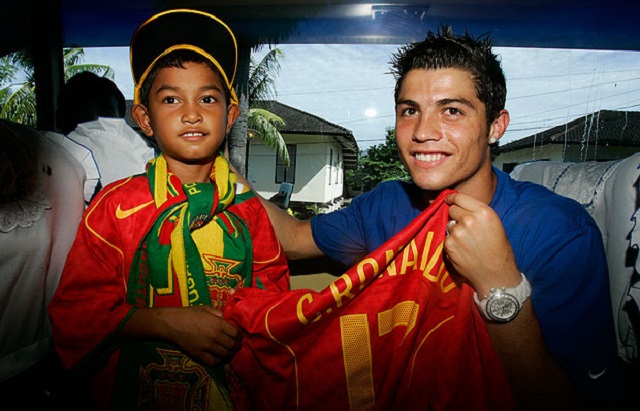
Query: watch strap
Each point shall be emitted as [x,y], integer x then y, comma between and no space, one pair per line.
[521,292]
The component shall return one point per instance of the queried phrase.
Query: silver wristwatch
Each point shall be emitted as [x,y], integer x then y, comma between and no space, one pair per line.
[504,304]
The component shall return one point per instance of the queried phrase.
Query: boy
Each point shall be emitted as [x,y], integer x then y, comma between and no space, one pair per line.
[157,254]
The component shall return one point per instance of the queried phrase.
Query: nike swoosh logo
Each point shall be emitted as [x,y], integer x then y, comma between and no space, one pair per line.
[595,376]
[120,213]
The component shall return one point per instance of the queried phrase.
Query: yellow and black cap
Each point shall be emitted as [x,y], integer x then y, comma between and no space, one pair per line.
[183,29]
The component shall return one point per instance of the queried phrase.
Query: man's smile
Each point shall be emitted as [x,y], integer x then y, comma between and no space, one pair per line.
[429,157]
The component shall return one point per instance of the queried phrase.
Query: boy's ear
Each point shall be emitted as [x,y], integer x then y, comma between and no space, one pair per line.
[141,116]
[233,112]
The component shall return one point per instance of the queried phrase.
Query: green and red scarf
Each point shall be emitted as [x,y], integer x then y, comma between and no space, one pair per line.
[196,249]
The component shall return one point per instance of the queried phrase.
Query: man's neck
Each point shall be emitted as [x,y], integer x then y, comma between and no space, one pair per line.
[485,194]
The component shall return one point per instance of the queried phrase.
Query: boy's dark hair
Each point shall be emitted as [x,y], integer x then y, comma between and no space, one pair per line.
[445,50]
[85,97]
[178,58]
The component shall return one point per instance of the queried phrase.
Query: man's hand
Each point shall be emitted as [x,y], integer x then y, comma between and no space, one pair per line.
[477,245]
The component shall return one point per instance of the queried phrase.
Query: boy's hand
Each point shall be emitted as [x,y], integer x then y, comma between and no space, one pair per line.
[200,331]
[203,334]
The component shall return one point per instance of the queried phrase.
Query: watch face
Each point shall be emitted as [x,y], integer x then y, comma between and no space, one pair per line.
[502,307]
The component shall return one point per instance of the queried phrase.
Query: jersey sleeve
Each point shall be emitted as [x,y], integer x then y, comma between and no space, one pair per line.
[339,234]
[347,235]
[270,267]
[89,304]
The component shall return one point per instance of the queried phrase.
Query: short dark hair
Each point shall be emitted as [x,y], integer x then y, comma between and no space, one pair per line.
[178,58]
[85,97]
[445,50]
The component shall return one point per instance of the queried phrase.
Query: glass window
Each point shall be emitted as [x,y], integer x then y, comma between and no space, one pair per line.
[330,165]
[286,174]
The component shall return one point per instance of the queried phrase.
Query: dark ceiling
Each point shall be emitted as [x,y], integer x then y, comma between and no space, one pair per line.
[45,26]
[596,24]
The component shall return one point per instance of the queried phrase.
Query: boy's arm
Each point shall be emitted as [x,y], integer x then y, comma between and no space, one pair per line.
[200,331]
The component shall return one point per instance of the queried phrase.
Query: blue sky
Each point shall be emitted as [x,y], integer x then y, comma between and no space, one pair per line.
[349,85]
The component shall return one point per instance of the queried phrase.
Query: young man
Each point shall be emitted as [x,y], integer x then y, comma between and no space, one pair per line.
[552,324]
[157,254]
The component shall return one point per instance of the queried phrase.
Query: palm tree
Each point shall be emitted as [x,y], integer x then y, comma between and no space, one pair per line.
[18,101]
[261,123]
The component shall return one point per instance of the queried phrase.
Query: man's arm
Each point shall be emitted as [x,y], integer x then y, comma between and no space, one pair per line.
[294,235]
[479,250]
[536,379]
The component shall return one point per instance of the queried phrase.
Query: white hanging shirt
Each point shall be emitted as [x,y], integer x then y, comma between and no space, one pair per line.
[118,150]
[36,234]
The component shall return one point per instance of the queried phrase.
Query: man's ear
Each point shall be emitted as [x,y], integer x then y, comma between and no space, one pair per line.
[233,112]
[141,116]
[499,126]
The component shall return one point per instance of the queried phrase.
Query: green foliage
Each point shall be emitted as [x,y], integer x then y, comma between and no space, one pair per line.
[18,100]
[262,74]
[380,163]
[303,211]
[20,105]
[7,71]
[313,209]
[263,124]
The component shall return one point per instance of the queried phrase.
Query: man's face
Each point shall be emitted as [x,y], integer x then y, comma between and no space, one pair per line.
[441,130]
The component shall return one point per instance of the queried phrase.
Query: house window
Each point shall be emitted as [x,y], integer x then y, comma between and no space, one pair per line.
[330,165]
[287,174]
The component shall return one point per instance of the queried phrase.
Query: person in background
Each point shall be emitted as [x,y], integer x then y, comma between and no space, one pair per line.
[139,305]
[91,112]
[534,258]
[41,192]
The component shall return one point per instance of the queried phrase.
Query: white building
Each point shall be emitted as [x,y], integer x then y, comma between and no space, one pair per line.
[601,136]
[319,152]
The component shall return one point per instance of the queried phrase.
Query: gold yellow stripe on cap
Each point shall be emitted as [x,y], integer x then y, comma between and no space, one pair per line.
[229,82]
[234,98]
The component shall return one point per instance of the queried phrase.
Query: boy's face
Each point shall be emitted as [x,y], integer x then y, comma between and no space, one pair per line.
[187,114]
[441,130]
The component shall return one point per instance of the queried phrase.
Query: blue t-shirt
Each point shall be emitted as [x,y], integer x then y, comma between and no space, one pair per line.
[557,245]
